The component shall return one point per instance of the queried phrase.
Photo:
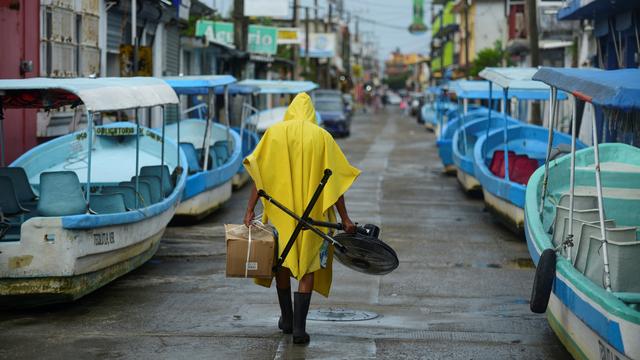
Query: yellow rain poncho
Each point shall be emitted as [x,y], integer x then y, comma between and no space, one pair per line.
[288,164]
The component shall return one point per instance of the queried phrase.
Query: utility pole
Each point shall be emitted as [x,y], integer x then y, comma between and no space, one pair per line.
[532,29]
[316,61]
[240,29]
[306,41]
[466,39]
[329,29]
[294,48]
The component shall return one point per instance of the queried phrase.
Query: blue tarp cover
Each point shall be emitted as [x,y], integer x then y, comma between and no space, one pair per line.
[198,85]
[611,88]
[235,89]
[474,89]
[280,86]
[519,83]
[592,9]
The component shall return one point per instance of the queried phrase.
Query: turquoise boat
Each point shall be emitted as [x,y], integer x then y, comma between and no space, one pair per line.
[504,159]
[581,224]
[213,150]
[86,208]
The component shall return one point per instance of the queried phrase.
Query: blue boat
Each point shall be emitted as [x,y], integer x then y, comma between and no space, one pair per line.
[469,90]
[213,150]
[465,137]
[271,115]
[581,222]
[504,159]
[86,208]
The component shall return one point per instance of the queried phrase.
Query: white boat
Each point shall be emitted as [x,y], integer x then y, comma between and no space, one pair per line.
[269,116]
[78,218]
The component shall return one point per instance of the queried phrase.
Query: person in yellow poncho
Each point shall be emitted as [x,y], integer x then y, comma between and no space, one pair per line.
[288,164]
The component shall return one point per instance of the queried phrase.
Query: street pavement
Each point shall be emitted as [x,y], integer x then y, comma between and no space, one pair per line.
[461,290]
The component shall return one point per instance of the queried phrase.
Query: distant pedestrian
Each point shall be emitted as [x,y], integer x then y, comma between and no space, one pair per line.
[288,164]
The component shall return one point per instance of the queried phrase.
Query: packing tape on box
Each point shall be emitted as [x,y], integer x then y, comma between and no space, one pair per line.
[246,263]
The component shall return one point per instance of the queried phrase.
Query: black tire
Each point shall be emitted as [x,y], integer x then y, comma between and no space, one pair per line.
[543,282]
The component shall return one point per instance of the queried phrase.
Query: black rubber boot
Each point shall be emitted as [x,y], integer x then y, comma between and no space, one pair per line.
[285,323]
[301,303]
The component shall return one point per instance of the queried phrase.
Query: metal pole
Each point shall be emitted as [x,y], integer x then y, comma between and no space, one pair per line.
[2,163]
[137,156]
[605,255]
[552,116]
[226,116]
[490,110]
[178,135]
[306,41]
[89,148]
[207,130]
[134,34]
[465,105]
[162,152]
[572,177]
[294,48]
[505,95]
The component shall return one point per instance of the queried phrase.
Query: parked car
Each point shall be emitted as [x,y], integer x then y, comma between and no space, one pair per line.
[393,98]
[335,119]
[348,104]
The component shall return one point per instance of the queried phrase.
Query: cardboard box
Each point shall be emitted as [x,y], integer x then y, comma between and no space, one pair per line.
[250,251]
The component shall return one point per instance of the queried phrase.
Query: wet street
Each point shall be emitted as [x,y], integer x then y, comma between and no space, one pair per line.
[461,290]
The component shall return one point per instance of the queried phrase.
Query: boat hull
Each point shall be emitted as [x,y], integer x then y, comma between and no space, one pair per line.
[204,203]
[467,181]
[510,215]
[52,264]
[240,179]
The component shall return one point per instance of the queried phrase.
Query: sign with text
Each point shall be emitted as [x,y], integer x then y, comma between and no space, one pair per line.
[289,36]
[321,45]
[261,39]
[217,31]
[267,8]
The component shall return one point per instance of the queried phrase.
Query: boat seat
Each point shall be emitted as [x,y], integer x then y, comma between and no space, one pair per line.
[9,202]
[154,186]
[580,202]
[107,203]
[61,194]
[522,169]
[623,260]
[143,195]
[559,151]
[582,233]
[587,216]
[192,157]
[497,162]
[128,194]
[20,184]
[220,152]
[158,170]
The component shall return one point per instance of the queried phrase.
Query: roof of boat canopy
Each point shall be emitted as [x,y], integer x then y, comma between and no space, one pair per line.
[97,94]
[280,86]
[519,83]
[474,89]
[591,9]
[198,84]
[237,89]
[611,88]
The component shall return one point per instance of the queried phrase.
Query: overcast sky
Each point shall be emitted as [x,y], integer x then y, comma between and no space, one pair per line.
[393,16]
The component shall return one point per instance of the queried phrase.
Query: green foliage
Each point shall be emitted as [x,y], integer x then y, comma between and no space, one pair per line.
[489,57]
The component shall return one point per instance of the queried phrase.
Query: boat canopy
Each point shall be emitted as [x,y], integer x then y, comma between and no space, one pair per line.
[519,83]
[97,94]
[474,89]
[280,86]
[198,85]
[591,9]
[237,89]
[611,88]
